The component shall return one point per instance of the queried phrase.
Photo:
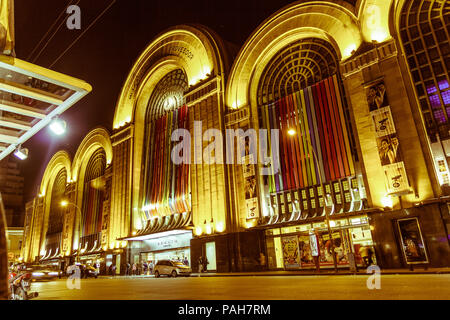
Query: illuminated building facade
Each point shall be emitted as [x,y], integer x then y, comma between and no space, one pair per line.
[358,93]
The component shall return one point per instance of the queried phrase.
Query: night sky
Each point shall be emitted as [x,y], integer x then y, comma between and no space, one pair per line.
[105,54]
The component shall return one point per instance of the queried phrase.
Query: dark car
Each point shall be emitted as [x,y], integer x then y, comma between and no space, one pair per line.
[43,272]
[86,271]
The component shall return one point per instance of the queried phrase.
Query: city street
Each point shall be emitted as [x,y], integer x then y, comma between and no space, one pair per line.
[429,286]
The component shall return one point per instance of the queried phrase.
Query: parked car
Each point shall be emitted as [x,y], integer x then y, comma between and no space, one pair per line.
[43,272]
[90,271]
[171,268]
[86,271]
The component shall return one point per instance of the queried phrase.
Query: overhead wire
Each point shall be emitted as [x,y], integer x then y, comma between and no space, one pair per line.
[84,31]
[48,30]
[51,37]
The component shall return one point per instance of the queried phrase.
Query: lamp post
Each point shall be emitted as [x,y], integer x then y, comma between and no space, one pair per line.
[292,132]
[65,203]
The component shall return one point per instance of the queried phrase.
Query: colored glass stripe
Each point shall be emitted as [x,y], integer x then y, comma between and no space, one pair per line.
[165,183]
[321,150]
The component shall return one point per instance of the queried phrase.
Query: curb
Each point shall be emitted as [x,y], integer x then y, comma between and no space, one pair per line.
[258,274]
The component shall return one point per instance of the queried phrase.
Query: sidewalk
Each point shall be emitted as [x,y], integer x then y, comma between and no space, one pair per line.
[325,272]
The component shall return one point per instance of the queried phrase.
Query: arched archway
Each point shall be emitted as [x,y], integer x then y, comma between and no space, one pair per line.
[423,29]
[191,52]
[328,21]
[92,158]
[53,187]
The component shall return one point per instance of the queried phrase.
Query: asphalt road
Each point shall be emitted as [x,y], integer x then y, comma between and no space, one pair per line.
[428,287]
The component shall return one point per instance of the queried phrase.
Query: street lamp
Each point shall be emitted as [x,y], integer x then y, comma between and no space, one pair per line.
[58,126]
[292,132]
[21,153]
[65,203]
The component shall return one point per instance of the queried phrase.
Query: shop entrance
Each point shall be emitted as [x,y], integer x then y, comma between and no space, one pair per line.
[172,245]
[210,250]
[179,254]
[289,248]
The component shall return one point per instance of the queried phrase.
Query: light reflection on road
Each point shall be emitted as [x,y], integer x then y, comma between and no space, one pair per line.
[249,287]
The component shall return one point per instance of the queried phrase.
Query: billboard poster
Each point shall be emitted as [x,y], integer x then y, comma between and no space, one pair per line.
[306,258]
[382,122]
[413,246]
[291,256]
[252,208]
[248,166]
[395,177]
[251,197]
[388,144]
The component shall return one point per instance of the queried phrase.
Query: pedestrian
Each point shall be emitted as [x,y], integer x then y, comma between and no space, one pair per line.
[127,271]
[145,267]
[186,261]
[205,264]
[366,255]
[200,264]
[110,269]
[262,261]
[133,269]
[315,248]
[114,270]
[150,267]
[83,271]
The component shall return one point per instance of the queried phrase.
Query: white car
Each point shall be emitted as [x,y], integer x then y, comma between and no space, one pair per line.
[171,269]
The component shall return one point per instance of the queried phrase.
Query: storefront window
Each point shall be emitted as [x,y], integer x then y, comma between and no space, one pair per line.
[319,225]
[293,229]
[293,251]
[211,255]
[172,247]
[272,232]
[338,223]
[274,253]
[177,255]
[361,239]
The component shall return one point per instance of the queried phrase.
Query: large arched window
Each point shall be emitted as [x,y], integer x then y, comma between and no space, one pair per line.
[56,214]
[55,219]
[295,67]
[424,31]
[93,194]
[300,90]
[165,184]
[300,94]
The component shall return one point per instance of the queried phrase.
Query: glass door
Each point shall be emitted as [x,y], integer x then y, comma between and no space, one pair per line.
[211,255]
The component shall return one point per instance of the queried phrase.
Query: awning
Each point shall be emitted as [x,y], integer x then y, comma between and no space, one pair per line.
[30,97]
[163,226]
[277,221]
[157,235]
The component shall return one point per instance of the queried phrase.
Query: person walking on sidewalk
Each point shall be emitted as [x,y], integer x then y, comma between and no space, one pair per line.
[205,264]
[150,267]
[315,248]
[127,270]
[133,269]
[145,267]
[200,264]
[366,255]
[262,261]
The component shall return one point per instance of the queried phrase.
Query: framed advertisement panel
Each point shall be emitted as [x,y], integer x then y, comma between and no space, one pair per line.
[388,143]
[413,245]
[291,253]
